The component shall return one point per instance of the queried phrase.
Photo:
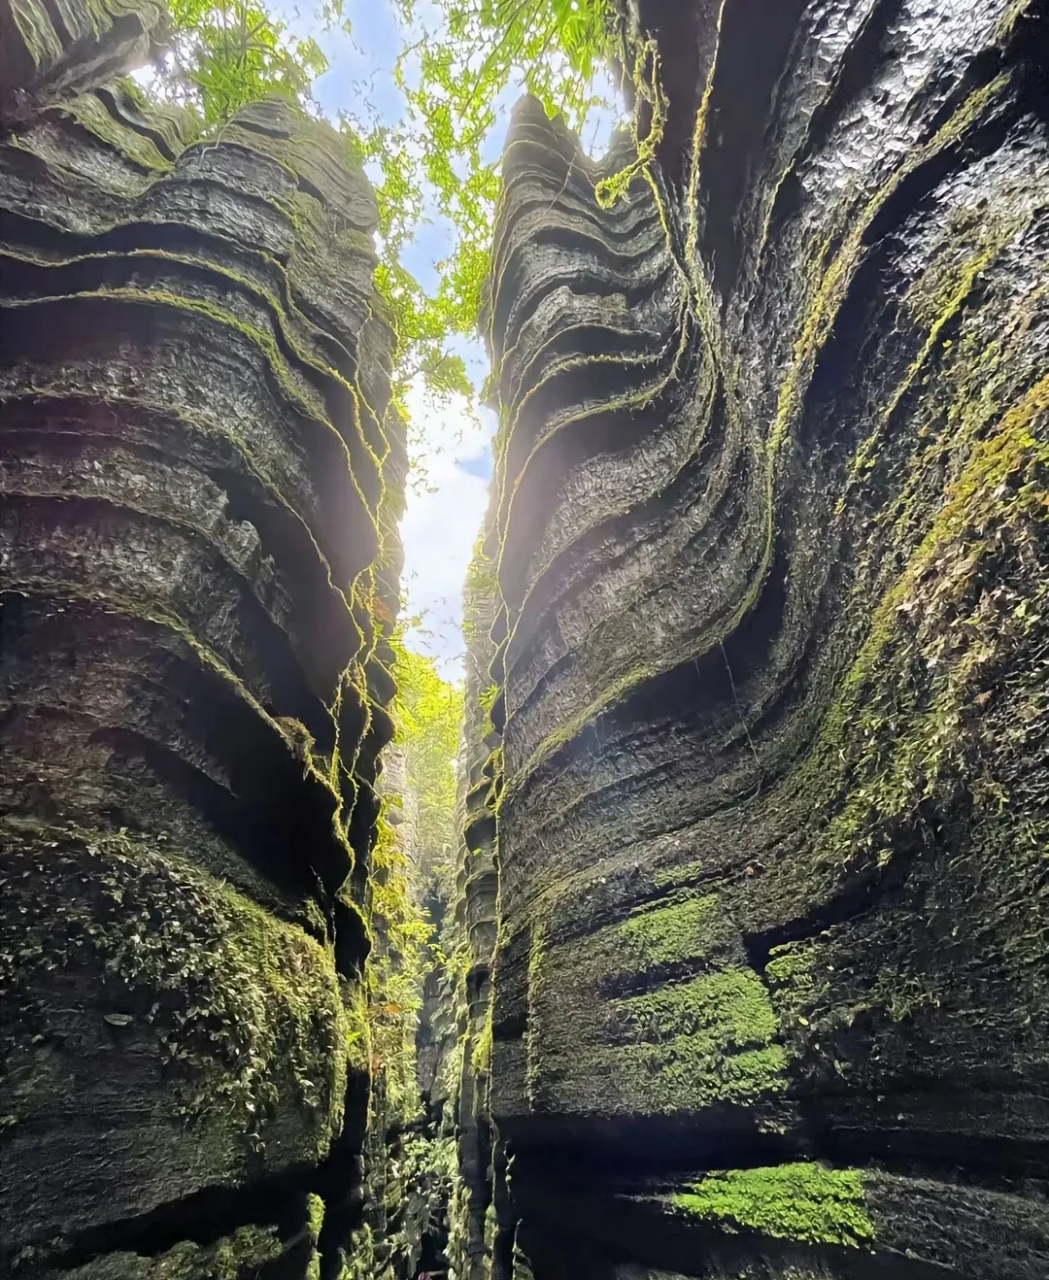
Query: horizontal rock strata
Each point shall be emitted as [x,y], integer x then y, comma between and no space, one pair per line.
[202,476]
[772,665]
[481,1188]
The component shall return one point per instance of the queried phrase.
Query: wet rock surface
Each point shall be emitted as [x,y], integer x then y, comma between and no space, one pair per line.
[746,972]
[770,663]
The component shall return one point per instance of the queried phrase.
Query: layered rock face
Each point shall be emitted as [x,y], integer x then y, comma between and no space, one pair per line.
[482,1174]
[771,988]
[201,481]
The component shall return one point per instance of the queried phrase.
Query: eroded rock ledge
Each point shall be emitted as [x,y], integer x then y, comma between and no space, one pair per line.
[770,667]
[202,478]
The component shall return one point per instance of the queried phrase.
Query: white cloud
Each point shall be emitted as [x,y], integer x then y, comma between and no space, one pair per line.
[441,524]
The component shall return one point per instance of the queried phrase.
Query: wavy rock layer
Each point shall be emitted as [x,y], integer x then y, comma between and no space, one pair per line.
[201,483]
[771,988]
[56,48]
[481,1185]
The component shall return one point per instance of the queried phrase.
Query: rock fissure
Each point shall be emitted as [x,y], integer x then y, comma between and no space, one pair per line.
[203,1218]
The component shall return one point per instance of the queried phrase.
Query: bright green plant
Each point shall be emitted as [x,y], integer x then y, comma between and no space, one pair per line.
[226,54]
[803,1201]
[555,48]
[428,712]
[454,78]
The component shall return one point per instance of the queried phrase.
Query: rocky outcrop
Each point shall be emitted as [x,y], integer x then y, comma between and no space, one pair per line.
[201,482]
[50,51]
[772,662]
[472,929]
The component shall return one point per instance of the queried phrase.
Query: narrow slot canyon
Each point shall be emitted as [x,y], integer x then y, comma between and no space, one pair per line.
[678,909]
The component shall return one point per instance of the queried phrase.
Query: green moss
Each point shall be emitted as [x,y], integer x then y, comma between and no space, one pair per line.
[687,930]
[683,1074]
[315,1216]
[798,977]
[805,1201]
[481,1057]
[687,933]
[731,1008]
[311,386]
[314,1223]
[243,1008]
[937,299]
[358,1032]
[753,1076]
[903,721]
[707,1042]
[790,963]
[37,32]
[90,113]
[243,1253]
[246,1252]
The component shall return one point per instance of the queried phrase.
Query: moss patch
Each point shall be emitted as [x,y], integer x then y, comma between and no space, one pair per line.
[89,112]
[243,1008]
[707,1042]
[692,929]
[804,1201]
[731,1007]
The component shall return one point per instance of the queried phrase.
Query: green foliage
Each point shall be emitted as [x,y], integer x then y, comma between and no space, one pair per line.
[481,1057]
[453,77]
[249,1250]
[428,712]
[801,1201]
[554,46]
[396,968]
[648,87]
[224,55]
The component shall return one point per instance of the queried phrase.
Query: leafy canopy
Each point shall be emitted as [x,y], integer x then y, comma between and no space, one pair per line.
[224,55]
[428,713]
[454,78]
[460,63]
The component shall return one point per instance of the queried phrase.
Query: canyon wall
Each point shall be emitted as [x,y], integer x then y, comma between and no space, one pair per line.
[770,661]
[202,478]
[480,1163]
[746,976]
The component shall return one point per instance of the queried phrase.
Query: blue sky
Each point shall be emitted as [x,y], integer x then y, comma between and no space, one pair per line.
[448,495]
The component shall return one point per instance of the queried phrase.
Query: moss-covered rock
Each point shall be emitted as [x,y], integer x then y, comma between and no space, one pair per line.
[203,475]
[49,51]
[768,657]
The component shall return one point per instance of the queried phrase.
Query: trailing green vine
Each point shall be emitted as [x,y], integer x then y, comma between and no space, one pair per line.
[413,857]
